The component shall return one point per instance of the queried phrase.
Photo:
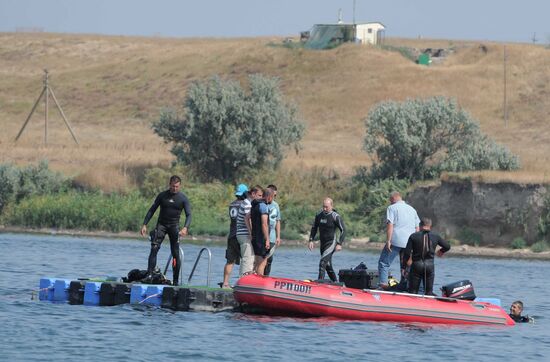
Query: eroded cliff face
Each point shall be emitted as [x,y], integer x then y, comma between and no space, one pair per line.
[484,213]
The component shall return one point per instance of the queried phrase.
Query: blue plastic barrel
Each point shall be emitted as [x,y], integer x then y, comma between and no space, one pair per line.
[46,289]
[146,294]
[61,290]
[91,293]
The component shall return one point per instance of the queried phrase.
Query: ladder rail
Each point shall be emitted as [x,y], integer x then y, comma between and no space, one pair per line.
[197,261]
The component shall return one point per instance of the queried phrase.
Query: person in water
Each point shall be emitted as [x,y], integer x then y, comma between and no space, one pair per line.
[515,312]
[171,202]
[327,221]
[421,246]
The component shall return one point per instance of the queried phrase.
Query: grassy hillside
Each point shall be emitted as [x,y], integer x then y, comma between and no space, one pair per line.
[112,88]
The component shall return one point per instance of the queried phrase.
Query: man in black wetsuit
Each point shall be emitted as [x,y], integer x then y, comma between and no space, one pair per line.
[172,203]
[515,312]
[327,221]
[421,245]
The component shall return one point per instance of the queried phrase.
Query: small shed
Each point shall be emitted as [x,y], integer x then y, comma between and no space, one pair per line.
[370,33]
[323,36]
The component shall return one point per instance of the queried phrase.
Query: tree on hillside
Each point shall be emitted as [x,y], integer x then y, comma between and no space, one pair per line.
[419,139]
[226,132]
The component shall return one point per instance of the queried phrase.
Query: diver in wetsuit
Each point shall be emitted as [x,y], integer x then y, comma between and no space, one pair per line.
[327,221]
[515,312]
[172,203]
[421,245]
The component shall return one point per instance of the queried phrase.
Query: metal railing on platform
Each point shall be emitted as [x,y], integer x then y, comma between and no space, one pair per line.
[195,266]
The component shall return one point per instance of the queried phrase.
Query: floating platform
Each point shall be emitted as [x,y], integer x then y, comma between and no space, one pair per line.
[110,293]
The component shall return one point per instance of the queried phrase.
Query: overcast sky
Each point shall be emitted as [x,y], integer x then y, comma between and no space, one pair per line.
[500,20]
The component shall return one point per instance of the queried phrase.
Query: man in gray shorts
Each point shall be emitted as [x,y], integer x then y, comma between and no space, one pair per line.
[244,230]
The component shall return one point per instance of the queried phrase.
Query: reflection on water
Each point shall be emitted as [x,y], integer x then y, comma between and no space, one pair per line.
[35,330]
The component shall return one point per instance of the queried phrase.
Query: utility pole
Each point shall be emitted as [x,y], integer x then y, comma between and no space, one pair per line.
[47,90]
[534,38]
[505,102]
[353,12]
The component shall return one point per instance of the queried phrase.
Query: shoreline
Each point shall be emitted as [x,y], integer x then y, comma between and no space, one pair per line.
[353,244]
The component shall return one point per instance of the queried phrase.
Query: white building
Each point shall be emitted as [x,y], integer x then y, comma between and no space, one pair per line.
[370,33]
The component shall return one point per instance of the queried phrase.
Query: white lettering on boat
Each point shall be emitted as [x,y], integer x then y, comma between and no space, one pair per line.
[299,288]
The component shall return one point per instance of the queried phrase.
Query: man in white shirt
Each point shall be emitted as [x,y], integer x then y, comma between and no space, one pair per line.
[401,221]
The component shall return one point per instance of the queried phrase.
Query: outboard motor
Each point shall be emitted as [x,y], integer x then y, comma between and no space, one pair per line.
[463,289]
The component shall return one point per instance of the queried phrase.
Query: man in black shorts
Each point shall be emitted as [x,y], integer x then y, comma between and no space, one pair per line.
[259,217]
[172,202]
[233,251]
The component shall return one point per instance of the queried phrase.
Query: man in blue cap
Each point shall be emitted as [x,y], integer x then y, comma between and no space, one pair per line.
[233,251]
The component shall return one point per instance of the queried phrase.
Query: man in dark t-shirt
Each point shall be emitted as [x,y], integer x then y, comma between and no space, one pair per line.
[171,202]
[259,217]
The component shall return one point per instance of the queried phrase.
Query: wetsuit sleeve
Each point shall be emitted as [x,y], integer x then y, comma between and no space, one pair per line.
[187,210]
[152,209]
[340,225]
[445,246]
[314,228]
[408,250]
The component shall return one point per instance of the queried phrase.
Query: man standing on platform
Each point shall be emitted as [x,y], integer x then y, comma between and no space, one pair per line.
[233,251]
[172,202]
[401,221]
[327,221]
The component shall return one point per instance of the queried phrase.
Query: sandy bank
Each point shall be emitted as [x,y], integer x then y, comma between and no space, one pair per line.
[353,244]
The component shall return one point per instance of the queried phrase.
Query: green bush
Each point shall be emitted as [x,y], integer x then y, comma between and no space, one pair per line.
[74,210]
[9,184]
[17,183]
[539,246]
[419,139]
[226,132]
[376,238]
[301,194]
[518,243]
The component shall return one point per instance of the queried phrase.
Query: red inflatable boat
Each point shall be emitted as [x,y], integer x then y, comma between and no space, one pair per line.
[304,298]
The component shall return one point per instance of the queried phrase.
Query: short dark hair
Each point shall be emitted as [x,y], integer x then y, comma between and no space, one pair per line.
[268,192]
[256,189]
[426,222]
[273,187]
[519,302]
[175,179]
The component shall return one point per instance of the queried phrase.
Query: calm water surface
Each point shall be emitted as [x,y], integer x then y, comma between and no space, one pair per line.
[41,331]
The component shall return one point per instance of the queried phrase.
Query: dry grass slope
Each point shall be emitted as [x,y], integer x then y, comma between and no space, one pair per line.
[112,88]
